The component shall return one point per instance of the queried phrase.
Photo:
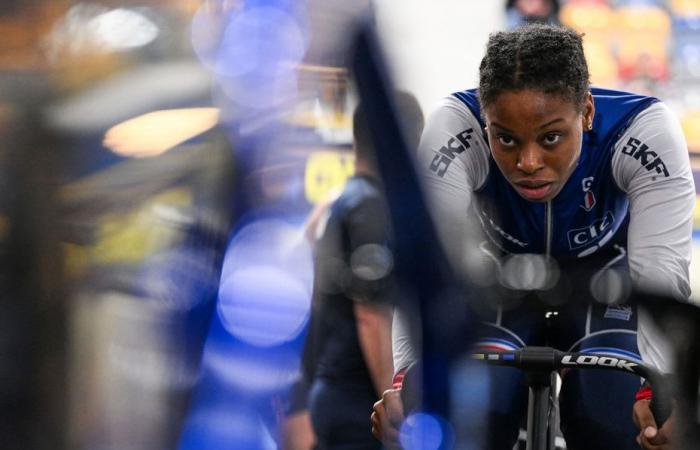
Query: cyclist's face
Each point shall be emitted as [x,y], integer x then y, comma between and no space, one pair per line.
[535,139]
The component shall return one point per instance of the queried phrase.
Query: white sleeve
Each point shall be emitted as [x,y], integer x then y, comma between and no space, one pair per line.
[402,346]
[453,160]
[651,163]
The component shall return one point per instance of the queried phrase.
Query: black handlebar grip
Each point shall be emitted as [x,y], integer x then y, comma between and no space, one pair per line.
[661,401]
[411,389]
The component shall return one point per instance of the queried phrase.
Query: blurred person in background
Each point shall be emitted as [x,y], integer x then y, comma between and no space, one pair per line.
[583,188]
[347,356]
[520,12]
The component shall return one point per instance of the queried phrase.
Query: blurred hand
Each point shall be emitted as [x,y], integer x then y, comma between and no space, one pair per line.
[387,416]
[650,436]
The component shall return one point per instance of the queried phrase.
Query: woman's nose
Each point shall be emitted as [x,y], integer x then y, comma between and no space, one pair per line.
[530,159]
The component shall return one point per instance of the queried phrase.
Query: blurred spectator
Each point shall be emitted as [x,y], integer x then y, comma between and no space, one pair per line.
[520,12]
[347,357]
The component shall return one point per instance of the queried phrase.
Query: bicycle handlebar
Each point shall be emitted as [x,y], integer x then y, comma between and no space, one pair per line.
[547,359]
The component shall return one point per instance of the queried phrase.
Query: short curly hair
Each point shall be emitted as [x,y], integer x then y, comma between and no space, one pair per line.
[544,58]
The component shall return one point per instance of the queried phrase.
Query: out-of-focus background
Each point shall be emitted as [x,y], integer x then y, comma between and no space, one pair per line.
[158,160]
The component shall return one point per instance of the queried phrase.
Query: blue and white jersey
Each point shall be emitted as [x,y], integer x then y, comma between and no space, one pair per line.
[631,193]
[591,211]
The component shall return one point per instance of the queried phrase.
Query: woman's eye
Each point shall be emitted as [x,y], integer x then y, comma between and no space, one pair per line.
[506,140]
[552,139]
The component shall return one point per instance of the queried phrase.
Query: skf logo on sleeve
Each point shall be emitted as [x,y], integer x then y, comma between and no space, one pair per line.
[648,158]
[588,197]
[444,157]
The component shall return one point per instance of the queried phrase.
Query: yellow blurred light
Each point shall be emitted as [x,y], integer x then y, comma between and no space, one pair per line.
[690,122]
[686,7]
[129,237]
[601,61]
[644,18]
[312,119]
[586,18]
[157,132]
[633,47]
[326,172]
[132,237]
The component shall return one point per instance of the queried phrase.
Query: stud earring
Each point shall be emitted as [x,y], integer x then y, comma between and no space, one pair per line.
[590,126]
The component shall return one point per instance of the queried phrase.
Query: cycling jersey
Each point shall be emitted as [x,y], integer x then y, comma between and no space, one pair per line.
[631,194]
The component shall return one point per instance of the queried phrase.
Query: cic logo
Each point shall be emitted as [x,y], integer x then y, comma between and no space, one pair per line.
[579,237]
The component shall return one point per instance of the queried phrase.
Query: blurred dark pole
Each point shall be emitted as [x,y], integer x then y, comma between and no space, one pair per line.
[33,371]
[425,276]
[680,322]
[32,303]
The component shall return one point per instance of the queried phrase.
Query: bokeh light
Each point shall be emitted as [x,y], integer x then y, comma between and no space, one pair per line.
[206,28]
[270,242]
[422,431]
[239,369]
[121,28]
[87,28]
[611,286]
[265,290]
[253,52]
[156,132]
[263,305]
[529,272]
[230,428]
[371,262]
[276,87]
[258,39]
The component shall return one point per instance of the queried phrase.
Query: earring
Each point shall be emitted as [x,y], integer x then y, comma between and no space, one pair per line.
[590,126]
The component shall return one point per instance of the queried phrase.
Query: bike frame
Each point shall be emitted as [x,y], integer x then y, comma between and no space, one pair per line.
[539,364]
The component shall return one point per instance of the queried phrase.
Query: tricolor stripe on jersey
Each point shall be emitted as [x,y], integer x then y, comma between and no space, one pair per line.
[495,345]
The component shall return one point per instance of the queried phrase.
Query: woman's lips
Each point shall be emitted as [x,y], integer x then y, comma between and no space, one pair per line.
[535,191]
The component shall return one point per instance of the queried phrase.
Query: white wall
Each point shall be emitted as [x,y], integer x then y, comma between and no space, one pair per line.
[435,46]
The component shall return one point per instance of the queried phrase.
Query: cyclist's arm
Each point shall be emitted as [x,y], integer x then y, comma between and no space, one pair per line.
[449,171]
[651,164]
[453,159]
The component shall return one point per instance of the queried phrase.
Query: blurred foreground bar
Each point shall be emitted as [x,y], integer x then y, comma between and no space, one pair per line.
[32,300]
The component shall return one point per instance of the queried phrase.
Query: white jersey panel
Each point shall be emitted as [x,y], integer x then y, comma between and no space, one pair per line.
[651,164]
[453,161]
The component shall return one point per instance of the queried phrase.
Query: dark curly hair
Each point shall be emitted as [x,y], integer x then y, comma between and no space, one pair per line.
[541,57]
